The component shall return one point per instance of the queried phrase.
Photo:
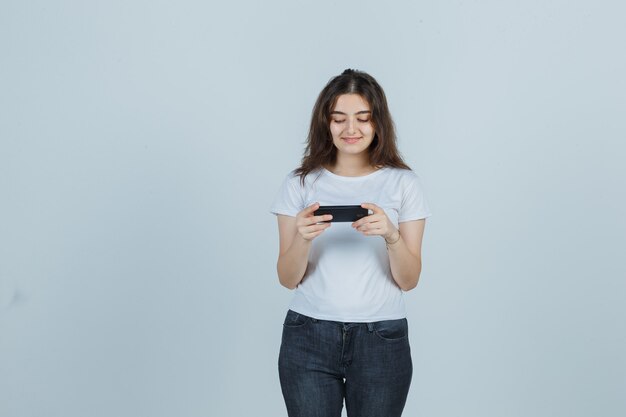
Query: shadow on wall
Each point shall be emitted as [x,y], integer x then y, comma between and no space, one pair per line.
[10,297]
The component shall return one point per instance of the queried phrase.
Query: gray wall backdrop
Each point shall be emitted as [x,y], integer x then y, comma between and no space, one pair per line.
[142,143]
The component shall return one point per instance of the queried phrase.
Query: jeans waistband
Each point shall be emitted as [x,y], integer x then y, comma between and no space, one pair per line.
[346,325]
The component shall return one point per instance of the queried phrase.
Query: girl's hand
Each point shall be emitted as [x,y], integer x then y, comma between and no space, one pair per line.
[310,226]
[376,224]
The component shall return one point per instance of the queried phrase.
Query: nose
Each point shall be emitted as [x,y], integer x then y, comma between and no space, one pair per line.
[351,125]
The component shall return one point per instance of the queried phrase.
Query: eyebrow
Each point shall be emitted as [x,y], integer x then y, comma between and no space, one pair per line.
[359,112]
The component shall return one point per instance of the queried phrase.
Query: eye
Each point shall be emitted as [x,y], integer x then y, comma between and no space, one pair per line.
[363,120]
[338,121]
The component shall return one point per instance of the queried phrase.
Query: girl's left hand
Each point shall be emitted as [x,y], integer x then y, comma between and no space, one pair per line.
[376,224]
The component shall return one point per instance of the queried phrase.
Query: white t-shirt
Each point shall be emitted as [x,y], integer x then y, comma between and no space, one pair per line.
[348,277]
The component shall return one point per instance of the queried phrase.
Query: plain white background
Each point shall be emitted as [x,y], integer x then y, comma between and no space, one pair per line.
[141,145]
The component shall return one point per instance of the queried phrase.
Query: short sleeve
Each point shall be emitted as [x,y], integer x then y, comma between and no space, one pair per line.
[289,199]
[414,205]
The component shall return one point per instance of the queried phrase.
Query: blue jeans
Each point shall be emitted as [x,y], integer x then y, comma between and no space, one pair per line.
[322,362]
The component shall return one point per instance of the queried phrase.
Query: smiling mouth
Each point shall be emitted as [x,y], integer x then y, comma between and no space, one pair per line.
[351,140]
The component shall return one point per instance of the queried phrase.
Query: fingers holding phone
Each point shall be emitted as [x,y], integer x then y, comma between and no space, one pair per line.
[376,224]
[309,225]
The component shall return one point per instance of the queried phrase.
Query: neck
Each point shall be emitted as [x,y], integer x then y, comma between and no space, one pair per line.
[352,166]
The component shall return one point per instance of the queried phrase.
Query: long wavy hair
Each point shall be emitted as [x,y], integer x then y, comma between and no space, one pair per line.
[320,150]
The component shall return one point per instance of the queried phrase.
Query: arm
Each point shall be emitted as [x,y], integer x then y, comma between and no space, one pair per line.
[295,235]
[404,245]
[405,253]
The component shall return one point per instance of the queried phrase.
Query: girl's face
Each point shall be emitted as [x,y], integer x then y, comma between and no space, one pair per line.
[350,124]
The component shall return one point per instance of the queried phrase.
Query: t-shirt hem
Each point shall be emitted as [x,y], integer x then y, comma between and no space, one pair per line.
[411,218]
[283,211]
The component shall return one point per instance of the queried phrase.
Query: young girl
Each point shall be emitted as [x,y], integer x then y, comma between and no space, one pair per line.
[345,335]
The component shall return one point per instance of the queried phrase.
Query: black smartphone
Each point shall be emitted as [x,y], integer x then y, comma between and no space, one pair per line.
[342,213]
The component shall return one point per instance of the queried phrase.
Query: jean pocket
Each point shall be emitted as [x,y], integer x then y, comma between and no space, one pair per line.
[293,319]
[392,329]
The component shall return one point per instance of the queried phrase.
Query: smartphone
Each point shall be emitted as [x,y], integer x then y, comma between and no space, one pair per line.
[343,213]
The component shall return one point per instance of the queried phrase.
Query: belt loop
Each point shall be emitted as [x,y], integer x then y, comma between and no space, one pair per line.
[370,327]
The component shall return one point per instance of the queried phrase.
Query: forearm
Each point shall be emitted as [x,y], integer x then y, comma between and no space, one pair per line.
[292,264]
[405,267]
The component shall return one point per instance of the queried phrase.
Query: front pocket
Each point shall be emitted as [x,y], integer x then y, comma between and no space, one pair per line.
[293,319]
[392,329]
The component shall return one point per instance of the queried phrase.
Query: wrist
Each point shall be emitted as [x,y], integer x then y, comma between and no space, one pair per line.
[393,238]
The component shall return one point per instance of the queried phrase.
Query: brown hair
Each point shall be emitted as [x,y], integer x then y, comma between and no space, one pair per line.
[320,149]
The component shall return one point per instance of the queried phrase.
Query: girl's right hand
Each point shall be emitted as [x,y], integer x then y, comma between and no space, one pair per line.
[310,226]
